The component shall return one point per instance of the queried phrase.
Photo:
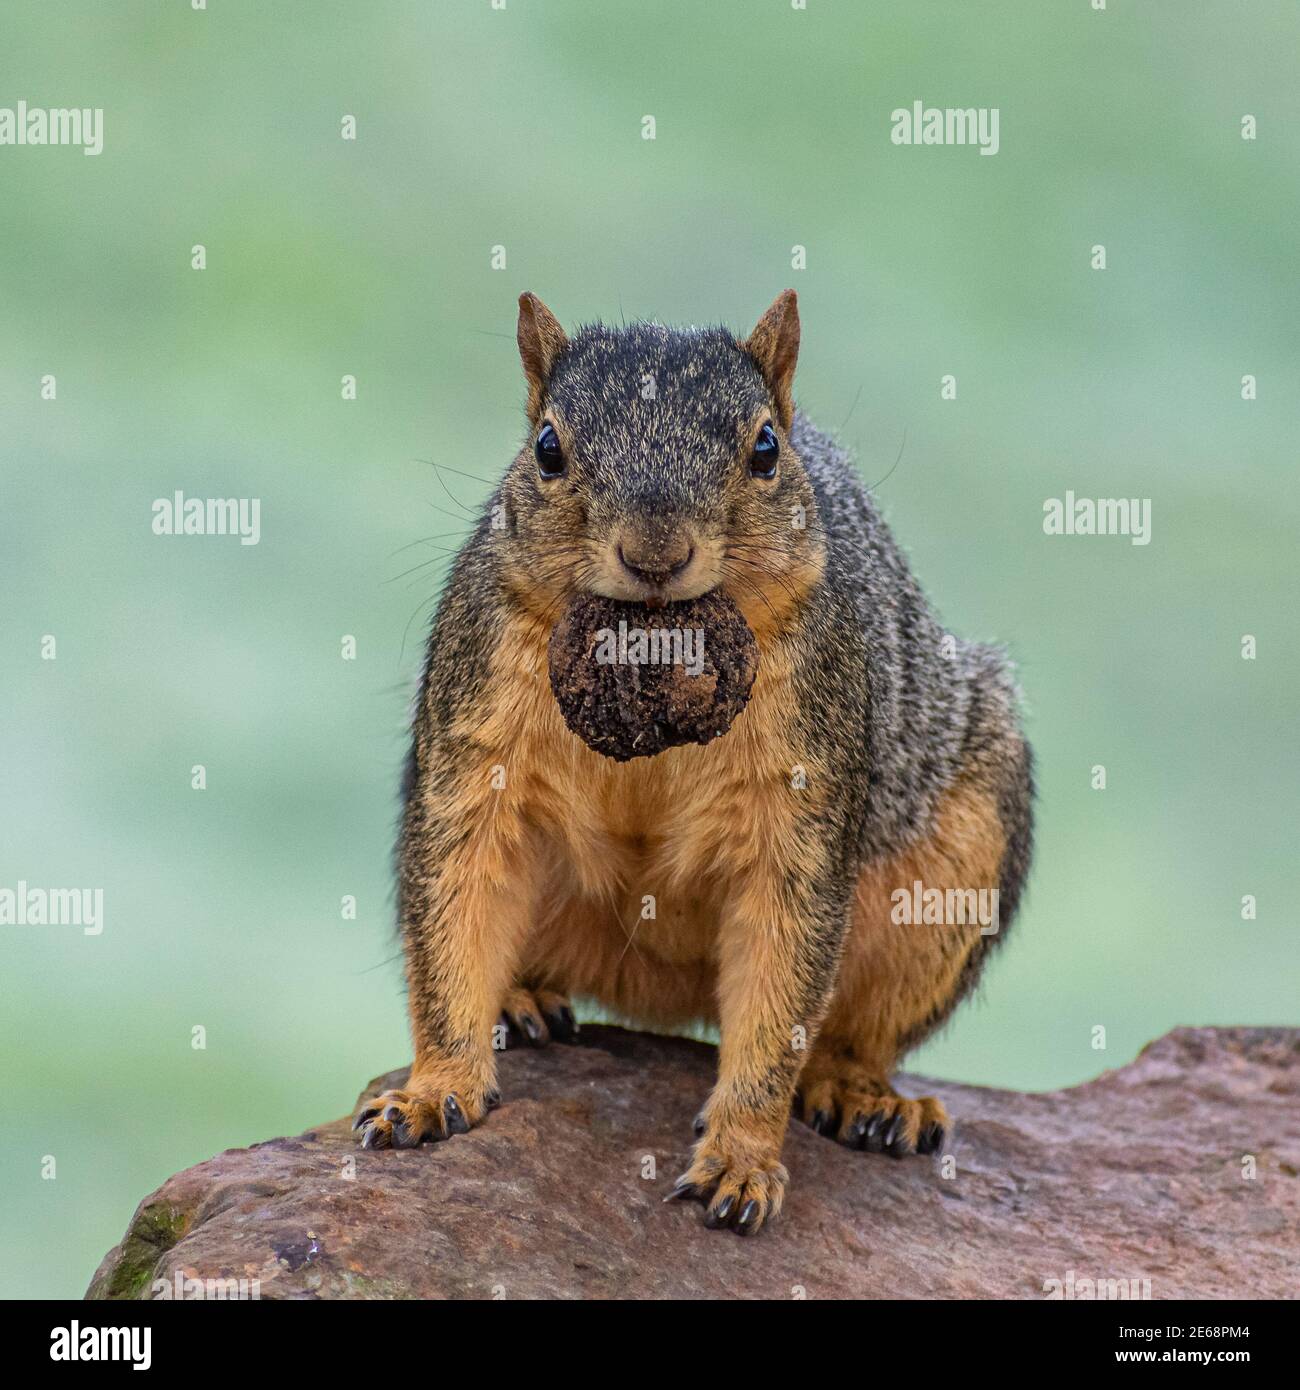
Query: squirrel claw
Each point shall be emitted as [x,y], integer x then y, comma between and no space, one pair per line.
[562,1024]
[721,1214]
[749,1219]
[931,1140]
[684,1191]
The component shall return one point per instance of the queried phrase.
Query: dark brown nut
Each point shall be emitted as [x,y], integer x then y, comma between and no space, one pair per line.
[632,681]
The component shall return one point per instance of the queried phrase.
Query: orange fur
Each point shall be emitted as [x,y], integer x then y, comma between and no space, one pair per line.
[893,976]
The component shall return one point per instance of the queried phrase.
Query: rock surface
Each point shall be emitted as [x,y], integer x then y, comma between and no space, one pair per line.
[1138,1175]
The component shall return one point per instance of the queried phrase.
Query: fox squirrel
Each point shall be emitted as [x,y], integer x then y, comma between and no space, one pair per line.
[879,759]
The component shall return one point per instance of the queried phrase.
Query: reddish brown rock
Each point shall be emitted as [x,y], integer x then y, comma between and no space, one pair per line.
[1135,1176]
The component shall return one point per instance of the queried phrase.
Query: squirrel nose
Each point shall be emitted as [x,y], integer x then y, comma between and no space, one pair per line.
[656,566]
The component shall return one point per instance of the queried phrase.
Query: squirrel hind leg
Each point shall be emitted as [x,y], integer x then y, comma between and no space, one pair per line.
[916,941]
[533,1017]
[857,1106]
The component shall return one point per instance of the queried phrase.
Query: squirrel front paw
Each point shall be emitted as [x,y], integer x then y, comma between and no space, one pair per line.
[741,1187]
[424,1112]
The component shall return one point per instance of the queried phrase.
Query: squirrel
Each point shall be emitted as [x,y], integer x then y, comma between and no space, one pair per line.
[879,759]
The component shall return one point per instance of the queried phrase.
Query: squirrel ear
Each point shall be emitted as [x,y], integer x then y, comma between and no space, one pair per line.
[774,345]
[541,340]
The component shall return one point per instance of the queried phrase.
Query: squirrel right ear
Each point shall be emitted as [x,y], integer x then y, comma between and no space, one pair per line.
[774,345]
[541,340]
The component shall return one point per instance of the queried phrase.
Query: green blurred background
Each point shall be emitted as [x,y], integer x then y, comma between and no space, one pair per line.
[522,128]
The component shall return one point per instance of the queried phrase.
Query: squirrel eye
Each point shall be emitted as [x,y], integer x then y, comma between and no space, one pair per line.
[762,463]
[547,451]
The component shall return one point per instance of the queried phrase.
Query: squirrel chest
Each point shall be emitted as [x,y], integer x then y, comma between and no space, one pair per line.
[654,844]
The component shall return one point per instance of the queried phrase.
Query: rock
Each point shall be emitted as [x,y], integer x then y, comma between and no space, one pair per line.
[642,702]
[1138,1175]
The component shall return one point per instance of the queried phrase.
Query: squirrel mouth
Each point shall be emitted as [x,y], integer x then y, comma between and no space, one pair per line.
[653,567]
[653,596]
[685,584]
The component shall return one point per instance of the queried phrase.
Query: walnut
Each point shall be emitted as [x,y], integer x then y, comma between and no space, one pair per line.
[632,681]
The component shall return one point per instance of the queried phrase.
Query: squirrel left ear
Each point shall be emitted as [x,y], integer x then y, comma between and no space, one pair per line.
[774,345]
[541,340]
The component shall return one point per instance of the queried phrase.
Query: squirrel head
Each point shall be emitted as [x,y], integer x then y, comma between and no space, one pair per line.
[659,466]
